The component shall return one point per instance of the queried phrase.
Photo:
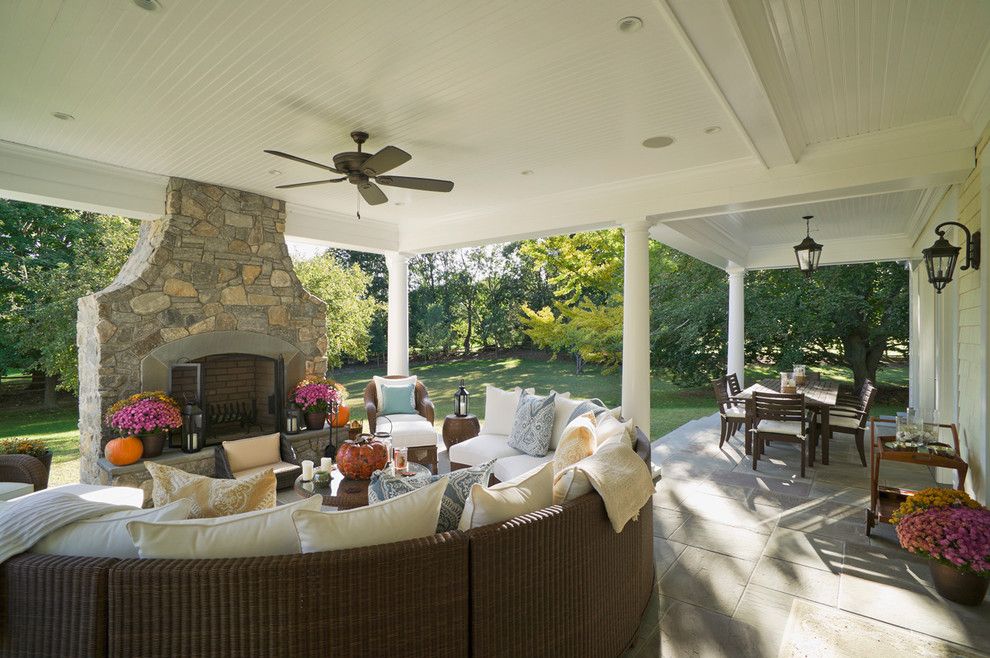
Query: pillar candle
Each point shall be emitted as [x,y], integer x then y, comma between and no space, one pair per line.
[307,470]
[326,464]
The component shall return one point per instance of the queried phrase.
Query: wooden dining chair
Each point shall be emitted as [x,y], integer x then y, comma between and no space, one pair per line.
[851,419]
[731,410]
[777,417]
[852,401]
[732,379]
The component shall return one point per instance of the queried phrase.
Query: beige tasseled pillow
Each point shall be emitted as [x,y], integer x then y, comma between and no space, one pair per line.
[211,497]
[577,442]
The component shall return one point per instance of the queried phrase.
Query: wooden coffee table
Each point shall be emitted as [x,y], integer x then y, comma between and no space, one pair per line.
[343,493]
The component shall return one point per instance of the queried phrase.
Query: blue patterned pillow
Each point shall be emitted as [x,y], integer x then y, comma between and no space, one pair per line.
[594,405]
[533,425]
[384,485]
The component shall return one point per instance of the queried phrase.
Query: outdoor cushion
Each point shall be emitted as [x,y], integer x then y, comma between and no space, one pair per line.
[410,430]
[500,409]
[527,493]
[397,399]
[608,427]
[533,424]
[96,493]
[243,454]
[380,381]
[408,516]
[579,441]
[277,468]
[780,427]
[735,412]
[508,468]
[211,496]
[251,534]
[106,536]
[480,449]
[846,422]
[563,408]
[385,485]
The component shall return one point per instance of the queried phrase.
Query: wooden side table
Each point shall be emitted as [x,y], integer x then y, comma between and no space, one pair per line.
[460,428]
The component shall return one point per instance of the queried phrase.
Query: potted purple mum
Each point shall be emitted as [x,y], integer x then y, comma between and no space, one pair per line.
[957,540]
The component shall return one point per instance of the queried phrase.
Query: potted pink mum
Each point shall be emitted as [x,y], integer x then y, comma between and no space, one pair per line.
[317,397]
[149,416]
[957,539]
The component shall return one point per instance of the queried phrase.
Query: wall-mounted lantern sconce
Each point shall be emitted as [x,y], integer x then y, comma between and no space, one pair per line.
[941,257]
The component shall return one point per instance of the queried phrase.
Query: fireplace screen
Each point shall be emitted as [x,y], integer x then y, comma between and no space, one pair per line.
[241,395]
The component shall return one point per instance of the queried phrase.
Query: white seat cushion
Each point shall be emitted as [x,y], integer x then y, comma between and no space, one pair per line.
[277,467]
[507,468]
[845,422]
[780,426]
[735,412]
[481,449]
[411,431]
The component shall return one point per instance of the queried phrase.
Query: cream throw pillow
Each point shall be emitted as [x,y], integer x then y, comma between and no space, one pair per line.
[500,409]
[564,406]
[569,484]
[251,534]
[523,494]
[577,442]
[408,516]
[106,536]
[211,497]
[610,427]
[243,454]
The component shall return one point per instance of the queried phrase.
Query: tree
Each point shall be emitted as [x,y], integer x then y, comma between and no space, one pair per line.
[350,310]
[49,257]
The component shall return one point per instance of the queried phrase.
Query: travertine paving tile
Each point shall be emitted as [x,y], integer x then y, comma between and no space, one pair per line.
[707,579]
[797,580]
[688,630]
[666,521]
[721,538]
[810,550]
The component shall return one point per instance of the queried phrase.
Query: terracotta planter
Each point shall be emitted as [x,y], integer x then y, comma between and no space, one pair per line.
[316,420]
[153,443]
[962,587]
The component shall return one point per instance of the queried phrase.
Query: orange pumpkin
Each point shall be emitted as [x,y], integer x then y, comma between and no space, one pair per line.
[341,417]
[121,452]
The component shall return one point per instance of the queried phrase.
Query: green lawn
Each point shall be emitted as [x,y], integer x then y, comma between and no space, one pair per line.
[672,406]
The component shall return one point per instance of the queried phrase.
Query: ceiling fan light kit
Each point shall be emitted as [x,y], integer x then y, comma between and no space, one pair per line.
[365,171]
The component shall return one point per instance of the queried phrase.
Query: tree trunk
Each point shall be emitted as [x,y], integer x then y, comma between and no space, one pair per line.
[863,357]
[578,363]
[467,336]
[50,382]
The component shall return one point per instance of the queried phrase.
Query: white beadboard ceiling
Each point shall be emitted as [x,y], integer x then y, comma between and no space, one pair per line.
[857,217]
[860,66]
[476,91]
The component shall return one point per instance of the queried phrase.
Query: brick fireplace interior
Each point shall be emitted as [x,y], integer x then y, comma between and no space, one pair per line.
[239,394]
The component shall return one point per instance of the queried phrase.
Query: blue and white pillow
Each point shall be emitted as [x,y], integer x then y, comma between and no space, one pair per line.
[533,425]
[384,485]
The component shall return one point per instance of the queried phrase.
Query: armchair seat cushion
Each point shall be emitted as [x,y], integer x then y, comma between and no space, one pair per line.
[508,468]
[410,431]
[278,467]
[482,448]
[780,427]
[843,422]
[243,454]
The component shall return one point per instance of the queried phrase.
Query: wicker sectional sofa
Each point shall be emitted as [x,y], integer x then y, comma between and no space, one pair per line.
[558,581]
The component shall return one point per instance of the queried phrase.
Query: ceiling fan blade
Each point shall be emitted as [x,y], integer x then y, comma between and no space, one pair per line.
[372,194]
[303,160]
[425,184]
[387,159]
[315,182]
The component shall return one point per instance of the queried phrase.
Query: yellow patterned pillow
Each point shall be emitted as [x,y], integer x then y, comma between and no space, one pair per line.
[211,497]
[577,442]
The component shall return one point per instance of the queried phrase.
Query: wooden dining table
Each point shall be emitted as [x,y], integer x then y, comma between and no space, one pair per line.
[819,396]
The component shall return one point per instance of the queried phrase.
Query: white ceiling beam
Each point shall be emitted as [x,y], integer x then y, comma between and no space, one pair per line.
[322,227]
[924,155]
[55,179]
[714,40]
[835,252]
[975,105]
[681,242]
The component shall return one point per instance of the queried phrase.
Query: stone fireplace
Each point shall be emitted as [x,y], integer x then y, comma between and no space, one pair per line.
[207,307]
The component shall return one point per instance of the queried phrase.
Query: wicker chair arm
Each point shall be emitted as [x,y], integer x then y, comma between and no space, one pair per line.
[221,464]
[23,468]
[425,408]
[371,405]
[286,452]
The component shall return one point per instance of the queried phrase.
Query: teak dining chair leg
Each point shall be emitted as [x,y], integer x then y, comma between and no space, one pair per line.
[723,431]
[859,445]
[804,457]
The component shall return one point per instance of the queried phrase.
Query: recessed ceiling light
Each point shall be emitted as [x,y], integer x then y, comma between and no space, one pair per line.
[63,116]
[630,24]
[526,172]
[400,203]
[711,130]
[274,172]
[148,5]
[658,142]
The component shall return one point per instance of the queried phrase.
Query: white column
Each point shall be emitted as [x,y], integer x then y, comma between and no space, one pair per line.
[398,312]
[636,325]
[736,361]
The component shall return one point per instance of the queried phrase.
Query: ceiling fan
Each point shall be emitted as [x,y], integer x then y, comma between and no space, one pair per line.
[366,169]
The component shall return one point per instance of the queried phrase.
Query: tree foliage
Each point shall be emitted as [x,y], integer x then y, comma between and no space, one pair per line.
[350,309]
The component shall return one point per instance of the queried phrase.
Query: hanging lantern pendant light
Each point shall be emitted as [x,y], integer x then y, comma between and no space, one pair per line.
[808,252]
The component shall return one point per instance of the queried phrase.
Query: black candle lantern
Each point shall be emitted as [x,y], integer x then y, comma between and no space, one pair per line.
[192,428]
[808,252]
[461,401]
[293,420]
[941,257]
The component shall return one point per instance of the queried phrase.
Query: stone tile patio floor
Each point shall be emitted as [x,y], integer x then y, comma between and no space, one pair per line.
[740,555]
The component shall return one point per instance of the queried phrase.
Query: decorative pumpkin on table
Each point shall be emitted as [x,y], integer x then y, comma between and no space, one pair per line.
[358,458]
[123,451]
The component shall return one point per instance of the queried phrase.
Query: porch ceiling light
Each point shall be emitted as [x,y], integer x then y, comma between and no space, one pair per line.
[808,252]
[941,257]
